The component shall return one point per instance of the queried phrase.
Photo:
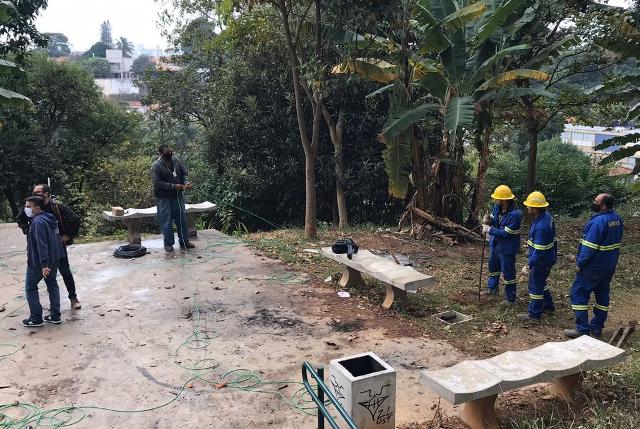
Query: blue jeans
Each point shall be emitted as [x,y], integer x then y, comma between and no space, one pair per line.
[172,210]
[34,275]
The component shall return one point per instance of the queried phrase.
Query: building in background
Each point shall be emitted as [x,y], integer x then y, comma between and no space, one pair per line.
[120,65]
[587,138]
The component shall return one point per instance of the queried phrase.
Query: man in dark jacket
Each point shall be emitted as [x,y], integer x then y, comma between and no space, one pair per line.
[169,181]
[68,227]
[44,252]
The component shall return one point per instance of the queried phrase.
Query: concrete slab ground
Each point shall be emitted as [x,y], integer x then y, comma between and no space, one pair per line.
[243,321]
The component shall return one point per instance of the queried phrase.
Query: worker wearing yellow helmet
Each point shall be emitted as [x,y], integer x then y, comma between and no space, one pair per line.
[542,256]
[503,226]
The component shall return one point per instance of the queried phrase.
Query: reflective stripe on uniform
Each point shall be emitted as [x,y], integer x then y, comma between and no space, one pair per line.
[509,282]
[534,296]
[579,307]
[600,307]
[496,274]
[541,246]
[599,247]
[511,231]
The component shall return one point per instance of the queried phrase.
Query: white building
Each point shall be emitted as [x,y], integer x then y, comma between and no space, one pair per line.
[587,138]
[120,65]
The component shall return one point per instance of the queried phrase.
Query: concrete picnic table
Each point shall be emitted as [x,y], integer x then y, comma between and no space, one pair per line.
[132,218]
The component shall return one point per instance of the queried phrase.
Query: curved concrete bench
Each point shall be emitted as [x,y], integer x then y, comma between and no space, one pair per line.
[398,279]
[478,383]
[132,218]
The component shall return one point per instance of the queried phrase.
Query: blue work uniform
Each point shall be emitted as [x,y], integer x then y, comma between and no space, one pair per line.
[597,259]
[543,254]
[503,246]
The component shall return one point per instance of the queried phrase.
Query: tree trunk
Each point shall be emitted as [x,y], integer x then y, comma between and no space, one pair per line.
[418,172]
[310,224]
[340,183]
[309,145]
[481,179]
[454,200]
[336,131]
[533,131]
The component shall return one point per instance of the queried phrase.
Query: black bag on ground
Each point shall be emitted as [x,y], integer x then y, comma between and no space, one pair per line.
[345,245]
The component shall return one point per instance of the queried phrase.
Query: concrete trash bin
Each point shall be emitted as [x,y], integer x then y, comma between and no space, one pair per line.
[365,386]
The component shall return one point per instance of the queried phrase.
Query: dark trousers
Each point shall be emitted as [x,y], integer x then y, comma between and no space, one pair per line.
[172,210]
[590,281]
[505,264]
[34,275]
[540,298]
[67,276]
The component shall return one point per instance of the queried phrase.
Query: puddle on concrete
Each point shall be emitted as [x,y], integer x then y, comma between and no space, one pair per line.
[154,244]
[106,274]
[142,294]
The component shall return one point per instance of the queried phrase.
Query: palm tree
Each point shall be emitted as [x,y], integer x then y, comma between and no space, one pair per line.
[125,46]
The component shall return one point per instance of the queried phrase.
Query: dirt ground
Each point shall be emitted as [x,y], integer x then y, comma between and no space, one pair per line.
[244,322]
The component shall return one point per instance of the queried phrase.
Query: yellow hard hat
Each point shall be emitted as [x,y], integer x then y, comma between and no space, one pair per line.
[536,199]
[503,192]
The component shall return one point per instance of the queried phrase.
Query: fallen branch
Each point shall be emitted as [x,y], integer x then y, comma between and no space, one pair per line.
[446,225]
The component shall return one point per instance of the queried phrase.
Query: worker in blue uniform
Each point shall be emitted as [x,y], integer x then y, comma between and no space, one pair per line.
[503,226]
[596,262]
[542,256]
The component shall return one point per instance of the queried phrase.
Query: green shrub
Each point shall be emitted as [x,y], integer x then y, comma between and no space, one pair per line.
[564,174]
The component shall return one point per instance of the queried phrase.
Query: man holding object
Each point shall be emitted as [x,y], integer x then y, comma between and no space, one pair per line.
[169,181]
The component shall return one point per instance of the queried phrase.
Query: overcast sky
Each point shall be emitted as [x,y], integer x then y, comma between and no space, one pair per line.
[80,21]
[136,20]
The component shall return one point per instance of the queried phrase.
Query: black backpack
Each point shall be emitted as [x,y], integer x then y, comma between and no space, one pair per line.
[345,245]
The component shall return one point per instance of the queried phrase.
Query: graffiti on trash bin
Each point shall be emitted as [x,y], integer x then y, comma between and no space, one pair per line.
[375,404]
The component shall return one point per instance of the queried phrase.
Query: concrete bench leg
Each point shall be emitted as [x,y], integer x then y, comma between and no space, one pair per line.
[191,225]
[480,413]
[350,277]
[392,292]
[566,387]
[133,230]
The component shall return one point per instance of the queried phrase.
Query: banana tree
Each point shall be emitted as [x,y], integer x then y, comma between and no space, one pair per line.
[450,63]
[7,97]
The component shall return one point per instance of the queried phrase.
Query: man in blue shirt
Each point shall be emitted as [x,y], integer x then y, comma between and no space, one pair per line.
[543,254]
[596,262]
[504,229]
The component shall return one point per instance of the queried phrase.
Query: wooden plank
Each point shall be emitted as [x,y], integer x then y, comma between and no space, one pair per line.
[472,380]
[401,277]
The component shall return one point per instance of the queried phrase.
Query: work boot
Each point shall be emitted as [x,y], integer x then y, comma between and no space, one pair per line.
[75,304]
[550,310]
[596,334]
[187,246]
[168,248]
[507,303]
[573,333]
[526,317]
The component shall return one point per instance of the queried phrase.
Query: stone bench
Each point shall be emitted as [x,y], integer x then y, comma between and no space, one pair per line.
[477,383]
[132,218]
[398,279]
